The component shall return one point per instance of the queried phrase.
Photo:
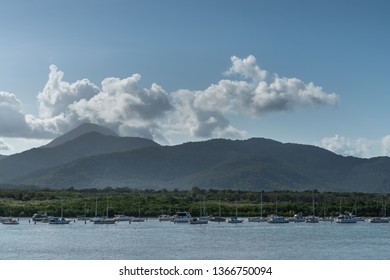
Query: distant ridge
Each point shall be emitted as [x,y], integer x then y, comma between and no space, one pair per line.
[78,131]
[86,140]
[253,164]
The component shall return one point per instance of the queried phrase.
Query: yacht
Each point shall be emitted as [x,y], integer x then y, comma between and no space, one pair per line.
[9,221]
[139,219]
[164,218]
[182,217]
[198,221]
[257,219]
[38,217]
[378,220]
[311,219]
[275,219]
[217,219]
[234,220]
[122,218]
[383,219]
[58,221]
[345,219]
[104,221]
[261,218]
[298,218]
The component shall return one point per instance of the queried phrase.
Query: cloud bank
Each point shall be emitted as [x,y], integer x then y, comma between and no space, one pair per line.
[361,147]
[131,110]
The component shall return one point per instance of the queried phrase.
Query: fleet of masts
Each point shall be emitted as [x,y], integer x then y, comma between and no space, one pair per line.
[186,217]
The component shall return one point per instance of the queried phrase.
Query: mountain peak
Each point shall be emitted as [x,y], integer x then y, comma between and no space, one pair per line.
[81,130]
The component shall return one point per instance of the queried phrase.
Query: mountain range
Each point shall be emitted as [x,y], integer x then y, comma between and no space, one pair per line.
[93,156]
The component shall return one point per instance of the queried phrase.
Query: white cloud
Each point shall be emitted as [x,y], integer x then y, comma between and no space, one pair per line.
[125,106]
[3,146]
[261,95]
[361,147]
[205,113]
[12,119]
[57,95]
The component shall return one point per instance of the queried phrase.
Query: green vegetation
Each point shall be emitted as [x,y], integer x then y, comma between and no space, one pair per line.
[26,202]
[254,165]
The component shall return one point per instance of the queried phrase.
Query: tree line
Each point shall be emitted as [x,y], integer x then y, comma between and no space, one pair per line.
[151,202]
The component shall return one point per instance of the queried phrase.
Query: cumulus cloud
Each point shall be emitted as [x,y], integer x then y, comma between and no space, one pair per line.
[205,113]
[360,147]
[57,95]
[3,146]
[128,108]
[12,119]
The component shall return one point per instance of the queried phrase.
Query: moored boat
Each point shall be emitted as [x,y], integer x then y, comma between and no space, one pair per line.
[298,218]
[257,219]
[182,217]
[217,219]
[311,219]
[104,221]
[9,221]
[164,218]
[198,221]
[38,217]
[345,219]
[234,220]
[275,219]
[122,218]
[383,219]
[378,220]
[58,221]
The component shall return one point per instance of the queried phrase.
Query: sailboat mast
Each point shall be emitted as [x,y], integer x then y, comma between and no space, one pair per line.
[107,205]
[261,205]
[62,211]
[313,203]
[96,207]
[219,206]
[204,206]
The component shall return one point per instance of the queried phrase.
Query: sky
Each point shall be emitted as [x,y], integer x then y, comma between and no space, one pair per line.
[308,72]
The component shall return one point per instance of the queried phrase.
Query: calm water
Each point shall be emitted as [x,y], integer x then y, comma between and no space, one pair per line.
[165,240]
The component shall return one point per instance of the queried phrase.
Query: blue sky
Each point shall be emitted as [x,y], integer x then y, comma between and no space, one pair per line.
[311,72]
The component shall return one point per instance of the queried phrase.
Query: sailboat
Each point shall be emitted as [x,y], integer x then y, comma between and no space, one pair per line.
[139,219]
[84,217]
[201,219]
[261,218]
[312,218]
[234,219]
[383,219]
[218,218]
[345,218]
[9,221]
[59,220]
[275,219]
[103,221]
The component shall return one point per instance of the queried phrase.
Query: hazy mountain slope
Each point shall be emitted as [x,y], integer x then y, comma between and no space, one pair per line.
[92,143]
[249,164]
[2,156]
[78,131]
